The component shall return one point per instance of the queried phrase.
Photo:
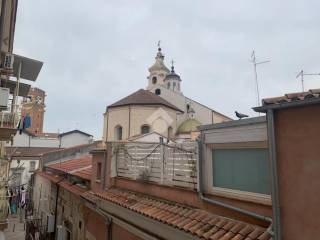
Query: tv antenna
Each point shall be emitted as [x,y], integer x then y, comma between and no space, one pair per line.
[302,74]
[255,63]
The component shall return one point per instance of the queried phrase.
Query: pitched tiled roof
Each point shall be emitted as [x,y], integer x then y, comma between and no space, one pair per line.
[84,173]
[143,97]
[197,222]
[28,151]
[74,165]
[73,188]
[292,97]
[75,131]
[63,183]
[51,177]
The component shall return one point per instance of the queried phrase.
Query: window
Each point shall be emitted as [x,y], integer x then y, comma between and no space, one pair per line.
[118,132]
[188,107]
[170,133]
[168,85]
[99,168]
[145,129]
[154,80]
[32,166]
[244,169]
[174,85]
[157,91]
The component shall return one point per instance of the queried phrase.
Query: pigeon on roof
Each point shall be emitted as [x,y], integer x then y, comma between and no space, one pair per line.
[241,115]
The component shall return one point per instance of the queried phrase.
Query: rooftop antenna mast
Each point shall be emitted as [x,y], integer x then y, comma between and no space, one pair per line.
[302,74]
[255,63]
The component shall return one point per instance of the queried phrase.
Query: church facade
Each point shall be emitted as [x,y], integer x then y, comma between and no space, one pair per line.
[160,108]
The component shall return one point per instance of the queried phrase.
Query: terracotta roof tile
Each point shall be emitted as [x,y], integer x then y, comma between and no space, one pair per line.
[191,220]
[292,97]
[73,165]
[84,173]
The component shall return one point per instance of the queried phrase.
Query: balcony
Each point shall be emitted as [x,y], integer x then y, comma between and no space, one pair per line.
[8,125]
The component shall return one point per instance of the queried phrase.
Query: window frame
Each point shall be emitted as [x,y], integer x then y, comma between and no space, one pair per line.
[116,135]
[143,126]
[32,163]
[260,198]
[99,172]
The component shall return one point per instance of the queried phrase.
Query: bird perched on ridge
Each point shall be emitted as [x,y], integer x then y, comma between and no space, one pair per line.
[240,115]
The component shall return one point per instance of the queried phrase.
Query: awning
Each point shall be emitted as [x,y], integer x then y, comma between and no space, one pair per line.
[30,68]
[23,88]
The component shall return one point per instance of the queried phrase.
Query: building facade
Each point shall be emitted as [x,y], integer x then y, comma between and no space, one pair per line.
[161,108]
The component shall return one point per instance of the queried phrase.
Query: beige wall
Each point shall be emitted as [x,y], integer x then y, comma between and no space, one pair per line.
[42,198]
[139,116]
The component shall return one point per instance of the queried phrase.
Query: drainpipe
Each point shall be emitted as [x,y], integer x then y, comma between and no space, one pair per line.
[222,204]
[108,220]
[105,154]
[274,174]
[56,207]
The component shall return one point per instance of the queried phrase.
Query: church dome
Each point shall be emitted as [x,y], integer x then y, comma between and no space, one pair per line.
[189,125]
[172,75]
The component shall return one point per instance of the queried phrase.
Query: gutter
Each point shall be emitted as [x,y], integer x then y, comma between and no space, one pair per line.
[222,204]
[113,219]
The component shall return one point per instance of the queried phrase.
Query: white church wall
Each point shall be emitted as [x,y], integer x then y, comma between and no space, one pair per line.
[118,116]
[202,114]
[159,118]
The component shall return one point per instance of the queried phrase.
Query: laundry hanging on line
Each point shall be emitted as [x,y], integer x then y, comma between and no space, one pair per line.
[24,123]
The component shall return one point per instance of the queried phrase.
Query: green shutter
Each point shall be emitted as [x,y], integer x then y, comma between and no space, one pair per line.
[241,169]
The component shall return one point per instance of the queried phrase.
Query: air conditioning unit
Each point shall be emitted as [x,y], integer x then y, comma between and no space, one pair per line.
[8,61]
[4,97]
[50,223]
[61,232]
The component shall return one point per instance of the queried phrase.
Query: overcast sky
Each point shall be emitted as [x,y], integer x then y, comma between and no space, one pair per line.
[96,52]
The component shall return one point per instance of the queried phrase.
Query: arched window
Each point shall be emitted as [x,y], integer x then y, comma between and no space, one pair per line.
[170,133]
[145,129]
[168,85]
[118,132]
[174,85]
[157,91]
[154,80]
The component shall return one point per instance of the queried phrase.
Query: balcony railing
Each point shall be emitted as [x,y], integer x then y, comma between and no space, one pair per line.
[8,120]
[8,125]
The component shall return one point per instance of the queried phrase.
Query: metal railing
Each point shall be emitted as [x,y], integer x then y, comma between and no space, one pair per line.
[8,119]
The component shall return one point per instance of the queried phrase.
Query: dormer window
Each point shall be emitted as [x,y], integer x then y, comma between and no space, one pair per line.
[154,80]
